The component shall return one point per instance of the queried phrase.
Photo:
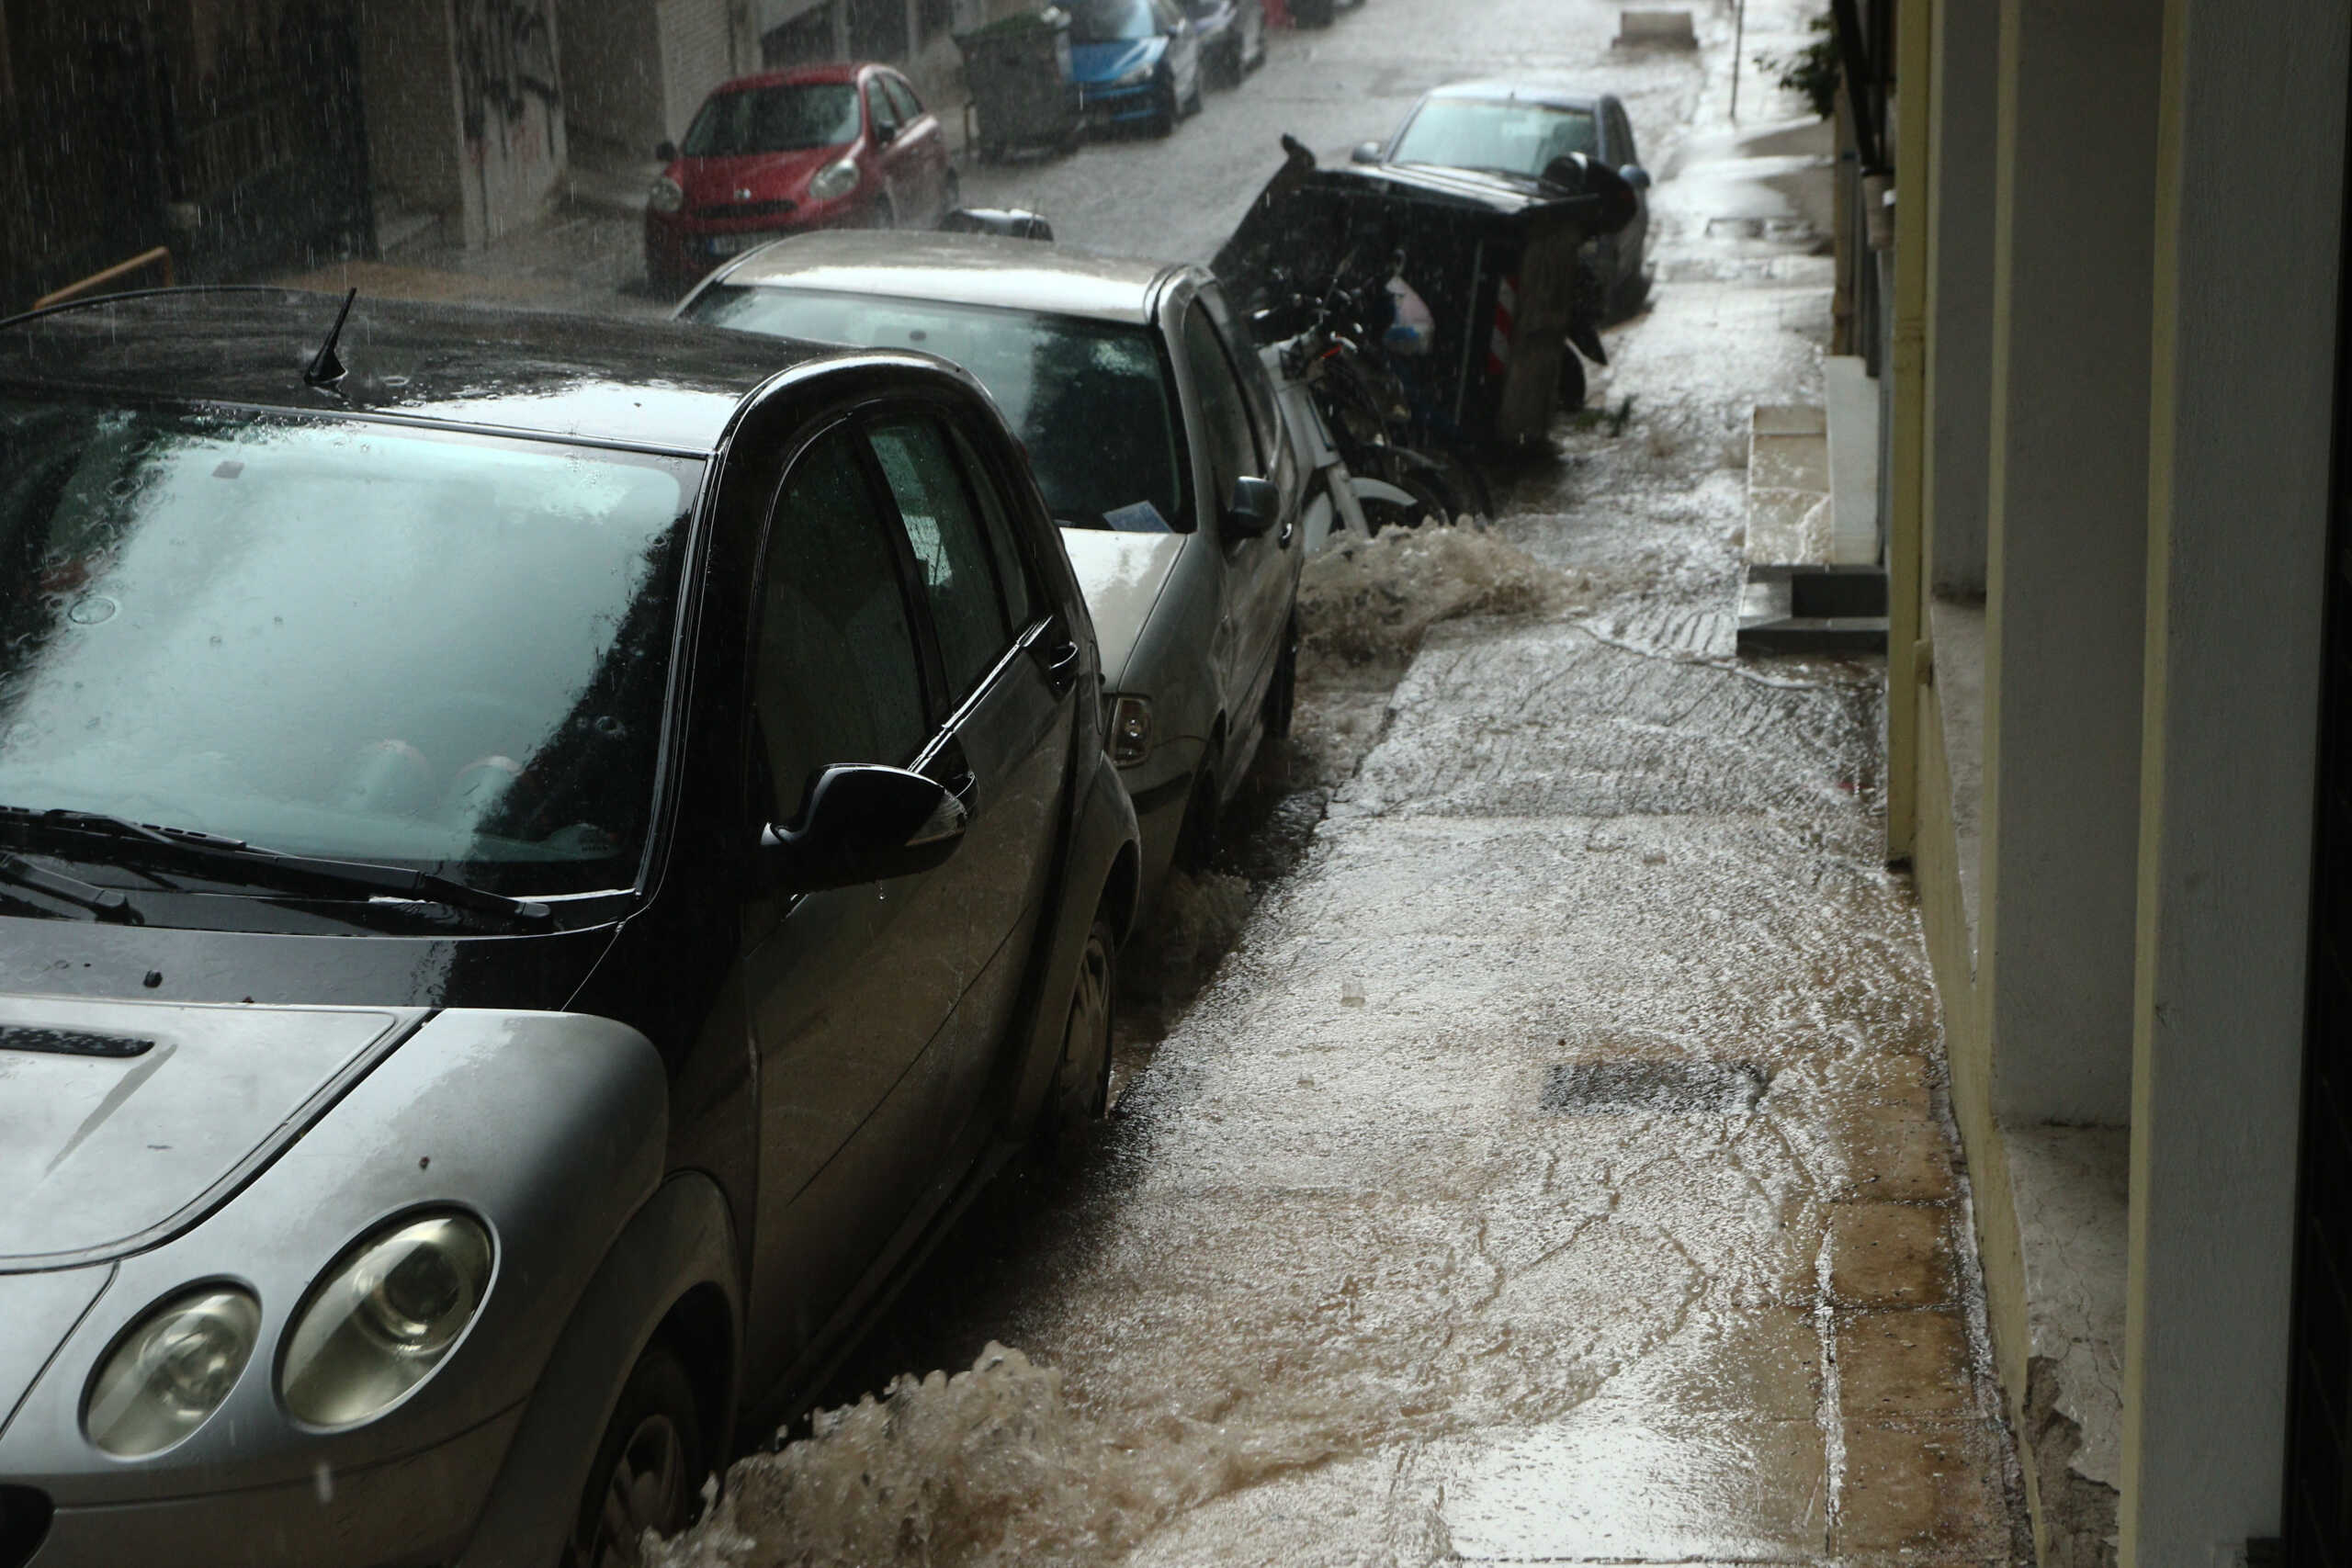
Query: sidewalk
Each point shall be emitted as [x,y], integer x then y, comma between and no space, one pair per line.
[1558,1169]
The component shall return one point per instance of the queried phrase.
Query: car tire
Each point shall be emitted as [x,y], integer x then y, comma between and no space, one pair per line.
[1191,106]
[1197,837]
[881,215]
[951,193]
[1572,379]
[1281,691]
[649,1467]
[1428,501]
[1081,1087]
[1163,118]
[1311,13]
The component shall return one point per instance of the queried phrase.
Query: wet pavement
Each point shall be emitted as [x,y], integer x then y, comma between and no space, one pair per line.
[1556,1167]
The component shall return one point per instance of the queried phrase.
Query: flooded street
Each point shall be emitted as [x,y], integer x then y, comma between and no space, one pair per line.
[1555,1166]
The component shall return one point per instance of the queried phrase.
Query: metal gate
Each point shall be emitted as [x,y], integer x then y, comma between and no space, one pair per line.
[2318,1505]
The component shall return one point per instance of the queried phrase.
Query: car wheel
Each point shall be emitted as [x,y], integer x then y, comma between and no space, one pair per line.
[1081,1089]
[881,215]
[1281,691]
[1193,104]
[1163,118]
[1196,839]
[1572,382]
[649,1468]
[1427,503]
[951,193]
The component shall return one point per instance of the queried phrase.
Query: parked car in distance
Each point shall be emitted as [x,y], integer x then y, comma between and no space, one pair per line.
[1156,438]
[1232,35]
[691,865]
[831,146]
[1515,131]
[1134,62]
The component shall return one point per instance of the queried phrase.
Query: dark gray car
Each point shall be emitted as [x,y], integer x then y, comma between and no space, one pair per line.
[535,870]
[1516,129]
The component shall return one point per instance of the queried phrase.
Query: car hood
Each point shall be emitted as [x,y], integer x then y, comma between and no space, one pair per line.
[769,176]
[1121,576]
[1099,64]
[121,1122]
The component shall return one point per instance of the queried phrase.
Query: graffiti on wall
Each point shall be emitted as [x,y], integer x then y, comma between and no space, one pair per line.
[511,110]
[505,65]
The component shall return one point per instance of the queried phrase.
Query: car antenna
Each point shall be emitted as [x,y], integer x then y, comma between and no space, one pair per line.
[326,367]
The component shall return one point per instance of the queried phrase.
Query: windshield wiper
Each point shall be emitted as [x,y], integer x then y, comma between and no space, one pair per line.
[200,852]
[103,903]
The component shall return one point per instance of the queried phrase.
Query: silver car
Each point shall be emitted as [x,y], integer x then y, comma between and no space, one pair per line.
[1185,500]
[693,869]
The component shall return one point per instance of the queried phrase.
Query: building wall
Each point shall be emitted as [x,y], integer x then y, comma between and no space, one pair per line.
[2242,419]
[697,54]
[2162,343]
[408,61]
[612,75]
[510,112]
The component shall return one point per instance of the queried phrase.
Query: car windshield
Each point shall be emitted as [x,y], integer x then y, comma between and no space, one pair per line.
[774,119]
[339,640]
[1112,21]
[1088,398]
[1495,135]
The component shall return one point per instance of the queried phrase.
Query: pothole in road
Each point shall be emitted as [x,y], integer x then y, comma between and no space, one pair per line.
[1715,1087]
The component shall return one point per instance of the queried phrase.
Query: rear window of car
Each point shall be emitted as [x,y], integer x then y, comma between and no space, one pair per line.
[1501,137]
[774,119]
[1090,400]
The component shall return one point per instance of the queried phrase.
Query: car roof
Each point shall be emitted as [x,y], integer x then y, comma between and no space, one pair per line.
[655,385]
[1529,92]
[797,75]
[975,269]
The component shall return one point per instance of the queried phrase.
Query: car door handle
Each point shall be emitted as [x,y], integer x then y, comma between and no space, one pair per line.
[1060,663]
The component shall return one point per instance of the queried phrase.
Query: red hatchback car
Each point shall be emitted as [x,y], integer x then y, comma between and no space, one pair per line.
[836,146]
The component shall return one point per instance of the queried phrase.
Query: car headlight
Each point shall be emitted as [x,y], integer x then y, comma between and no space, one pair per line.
[667,194]
[1128,736]
[834,180]
[384,1317]
[171,1370]
[1137,77]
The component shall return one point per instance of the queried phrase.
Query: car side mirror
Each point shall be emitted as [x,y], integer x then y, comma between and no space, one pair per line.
[1366,153]
[666,151]
[884,133]
[1254,506]
[1635,175]
[863,823]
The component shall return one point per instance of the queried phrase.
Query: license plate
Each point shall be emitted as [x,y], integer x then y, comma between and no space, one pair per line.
[735,244]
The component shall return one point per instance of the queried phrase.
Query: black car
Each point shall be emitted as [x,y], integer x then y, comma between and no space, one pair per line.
[1514,130]
[539,859]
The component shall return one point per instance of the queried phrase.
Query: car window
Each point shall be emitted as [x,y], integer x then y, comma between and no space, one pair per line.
[1090,400]
[903,99]
[881,110]
[836,677]
[1510,138]
[774,119]
[1257,387]
[1225,417]
[1621,132]
[1012,568]
[951,549]
[1112,21]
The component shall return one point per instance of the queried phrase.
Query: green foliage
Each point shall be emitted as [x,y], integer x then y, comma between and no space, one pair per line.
[1811,71]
